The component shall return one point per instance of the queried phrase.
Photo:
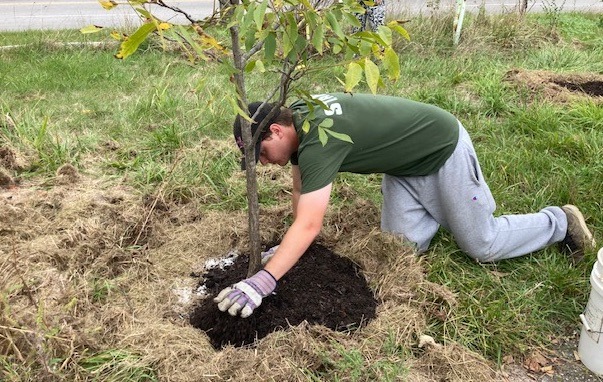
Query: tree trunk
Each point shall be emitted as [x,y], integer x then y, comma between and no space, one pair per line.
[255,259]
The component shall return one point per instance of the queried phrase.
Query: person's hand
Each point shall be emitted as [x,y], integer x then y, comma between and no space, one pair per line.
[268,254]
[245,296]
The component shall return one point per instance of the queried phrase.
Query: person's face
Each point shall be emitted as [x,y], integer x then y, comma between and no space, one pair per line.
[274,149]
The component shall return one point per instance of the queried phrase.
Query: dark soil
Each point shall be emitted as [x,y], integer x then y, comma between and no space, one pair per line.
[592,88]
[323,288]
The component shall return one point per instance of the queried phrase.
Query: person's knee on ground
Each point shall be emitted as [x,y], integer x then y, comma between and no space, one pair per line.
[478,247]
[479,255]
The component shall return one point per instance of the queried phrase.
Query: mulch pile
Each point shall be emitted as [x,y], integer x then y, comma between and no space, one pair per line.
[323,288]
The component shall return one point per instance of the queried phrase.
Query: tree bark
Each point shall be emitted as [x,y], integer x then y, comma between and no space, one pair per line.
[255,259]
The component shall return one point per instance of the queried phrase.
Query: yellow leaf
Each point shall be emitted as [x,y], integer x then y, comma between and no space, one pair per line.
[118,36]
[371,72]
[394,26]
[209,41]
[165,26]
[352,76]
[91,29]
[108,4]
[392,63]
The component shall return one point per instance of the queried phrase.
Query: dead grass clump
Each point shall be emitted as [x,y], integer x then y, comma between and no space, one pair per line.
[67,174]
[452,363]
[6,181]
[8,158]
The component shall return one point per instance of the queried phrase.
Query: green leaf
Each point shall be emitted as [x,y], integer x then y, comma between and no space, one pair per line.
[332,20]
[147,15]
[312,18]
[352,19]
[255,64]
[340,136]
[318,38]
[326,123]
[248,22]
[337,48]
[270,46]
[91,29]
[250,38]
[306,126]
[186,34]
[322,136]
[352,76]
[365,48]
[290,35]
[307,4]
[291,27]
[250,65]
[133,42]
[391,61]
[287,45]
[318,35]
[300,50]
[239,111]
[371,72]
[259,14]
[260,66]
[385,34]
[237,17]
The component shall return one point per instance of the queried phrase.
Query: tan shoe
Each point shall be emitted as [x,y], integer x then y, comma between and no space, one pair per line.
[578,237]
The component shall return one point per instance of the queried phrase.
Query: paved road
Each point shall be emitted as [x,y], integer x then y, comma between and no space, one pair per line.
[496,6]
[64,14]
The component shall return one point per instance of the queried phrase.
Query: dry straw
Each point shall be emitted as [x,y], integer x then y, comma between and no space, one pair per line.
[88,267]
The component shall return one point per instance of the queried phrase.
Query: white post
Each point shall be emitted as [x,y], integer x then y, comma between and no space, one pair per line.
[458,20]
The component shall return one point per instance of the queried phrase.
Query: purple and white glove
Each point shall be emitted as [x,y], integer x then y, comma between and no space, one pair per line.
[245,296]
[268,254]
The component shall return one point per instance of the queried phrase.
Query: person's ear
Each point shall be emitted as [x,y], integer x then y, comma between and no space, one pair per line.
[277,129]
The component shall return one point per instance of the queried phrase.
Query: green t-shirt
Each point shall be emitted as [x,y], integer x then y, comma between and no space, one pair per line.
[390,135]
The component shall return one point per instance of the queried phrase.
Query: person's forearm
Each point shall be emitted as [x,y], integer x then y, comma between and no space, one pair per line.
[296,241]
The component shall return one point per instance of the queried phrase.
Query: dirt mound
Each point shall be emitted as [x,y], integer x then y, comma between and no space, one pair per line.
[322,289]
[558,87]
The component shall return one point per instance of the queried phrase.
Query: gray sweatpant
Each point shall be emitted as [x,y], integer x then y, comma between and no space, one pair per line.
[458,199]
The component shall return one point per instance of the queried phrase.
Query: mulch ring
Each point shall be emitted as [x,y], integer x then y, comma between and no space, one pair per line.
[323,288]
[561,87]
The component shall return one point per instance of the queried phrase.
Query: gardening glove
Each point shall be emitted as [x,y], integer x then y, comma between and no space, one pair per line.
[268,254]
[244,296]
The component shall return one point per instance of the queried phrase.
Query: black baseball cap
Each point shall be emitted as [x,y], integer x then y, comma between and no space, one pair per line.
[262,114]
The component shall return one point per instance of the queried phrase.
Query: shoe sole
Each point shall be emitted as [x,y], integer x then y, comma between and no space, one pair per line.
[575,212]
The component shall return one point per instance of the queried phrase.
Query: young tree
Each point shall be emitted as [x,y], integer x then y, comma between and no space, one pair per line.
[283,37]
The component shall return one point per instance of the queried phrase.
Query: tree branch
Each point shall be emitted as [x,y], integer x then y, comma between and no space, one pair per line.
[175,9]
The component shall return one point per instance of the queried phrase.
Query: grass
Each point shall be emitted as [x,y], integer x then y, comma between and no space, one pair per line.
[149,121]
